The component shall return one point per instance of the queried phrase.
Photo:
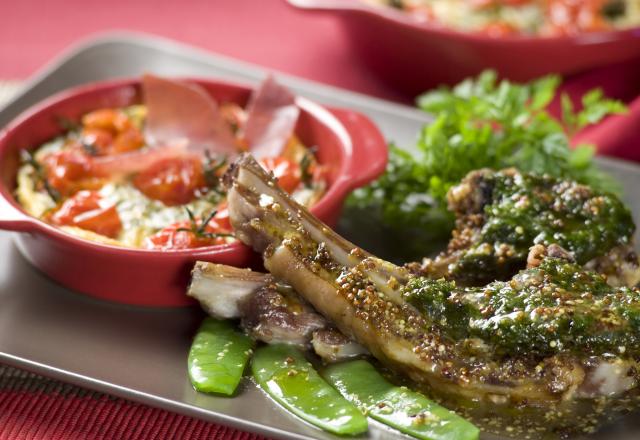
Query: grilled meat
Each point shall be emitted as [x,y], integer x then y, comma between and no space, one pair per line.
[508,349]
[269,311]
[500,215]
[221,289]
[275,314]
[333,346]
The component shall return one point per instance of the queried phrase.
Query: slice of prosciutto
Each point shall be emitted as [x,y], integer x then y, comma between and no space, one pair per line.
[184,111]
[137,161]
[271,120]
[183,119]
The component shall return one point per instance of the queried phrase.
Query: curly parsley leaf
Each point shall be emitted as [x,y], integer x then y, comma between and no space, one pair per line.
[483,123]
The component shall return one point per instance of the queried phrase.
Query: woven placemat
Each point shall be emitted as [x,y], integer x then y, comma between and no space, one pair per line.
[37,408]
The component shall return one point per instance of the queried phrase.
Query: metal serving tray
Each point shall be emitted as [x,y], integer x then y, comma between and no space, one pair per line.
[138,353]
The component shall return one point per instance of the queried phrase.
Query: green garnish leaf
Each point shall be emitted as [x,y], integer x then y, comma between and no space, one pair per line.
[306,176]
[199,228]
[211,167]
[27,157]
[483,123]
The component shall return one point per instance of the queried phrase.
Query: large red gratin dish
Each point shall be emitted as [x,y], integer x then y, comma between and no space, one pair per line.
[414,56]
[348,143]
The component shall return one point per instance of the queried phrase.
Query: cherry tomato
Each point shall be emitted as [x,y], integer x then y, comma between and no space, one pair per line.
[127,140]
[286,171]
[499,29]
[99,138]
[106,119]
[172,237]
[174,181]
[110,131]
[86,210]
[573,16]
[69,170]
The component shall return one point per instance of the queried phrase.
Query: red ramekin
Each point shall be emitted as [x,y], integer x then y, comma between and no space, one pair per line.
[348,143]
[414,56]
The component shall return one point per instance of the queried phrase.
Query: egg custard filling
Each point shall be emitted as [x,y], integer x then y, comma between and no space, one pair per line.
[102,181]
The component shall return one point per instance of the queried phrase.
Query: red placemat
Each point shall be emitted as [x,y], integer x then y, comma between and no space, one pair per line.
[37,408]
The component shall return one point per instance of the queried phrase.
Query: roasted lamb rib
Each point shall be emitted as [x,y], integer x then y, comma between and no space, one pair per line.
[550,349]
[501,214]
[269,311]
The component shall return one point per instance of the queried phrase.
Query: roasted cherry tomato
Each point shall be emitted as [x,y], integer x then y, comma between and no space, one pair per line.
[286,171]
[106,119]
[69,170]
[176,237]
[88,211]
[109,131]
[174,181]
[127,140]
[98,139]
[499,29]
[573,16]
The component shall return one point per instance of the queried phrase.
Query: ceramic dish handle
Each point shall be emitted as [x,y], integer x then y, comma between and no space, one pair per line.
[12,218]
[369,154]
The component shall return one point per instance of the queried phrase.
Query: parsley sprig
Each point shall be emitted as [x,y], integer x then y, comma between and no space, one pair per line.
[199,229]
[483,122]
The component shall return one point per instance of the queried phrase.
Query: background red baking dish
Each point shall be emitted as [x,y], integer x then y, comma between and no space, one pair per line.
[414,56]
[348,143]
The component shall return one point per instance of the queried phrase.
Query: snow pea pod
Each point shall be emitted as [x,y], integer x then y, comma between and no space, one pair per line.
[398,407]
[284,373]
[218,356]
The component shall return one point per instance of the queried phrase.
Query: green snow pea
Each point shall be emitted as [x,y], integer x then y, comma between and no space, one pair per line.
[284,373]
[398,407]
[218,357]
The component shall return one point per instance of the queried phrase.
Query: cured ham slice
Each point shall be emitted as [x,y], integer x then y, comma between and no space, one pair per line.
[271,120]
[184,111]
[136,161]
[182,119]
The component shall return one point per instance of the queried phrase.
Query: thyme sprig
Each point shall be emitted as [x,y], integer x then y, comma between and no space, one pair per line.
[305,167]
[89,147]
[211,167]
[200,229]
[29,159]
[67,124]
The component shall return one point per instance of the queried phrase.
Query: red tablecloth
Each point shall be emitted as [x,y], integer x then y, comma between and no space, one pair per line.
[36,408]
[266,32]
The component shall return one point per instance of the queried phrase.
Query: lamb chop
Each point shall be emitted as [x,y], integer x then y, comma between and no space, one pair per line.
[501,214]
[269,311]
[554,348]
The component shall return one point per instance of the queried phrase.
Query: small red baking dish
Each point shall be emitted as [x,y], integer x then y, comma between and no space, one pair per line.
[414,56]
[348,144]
